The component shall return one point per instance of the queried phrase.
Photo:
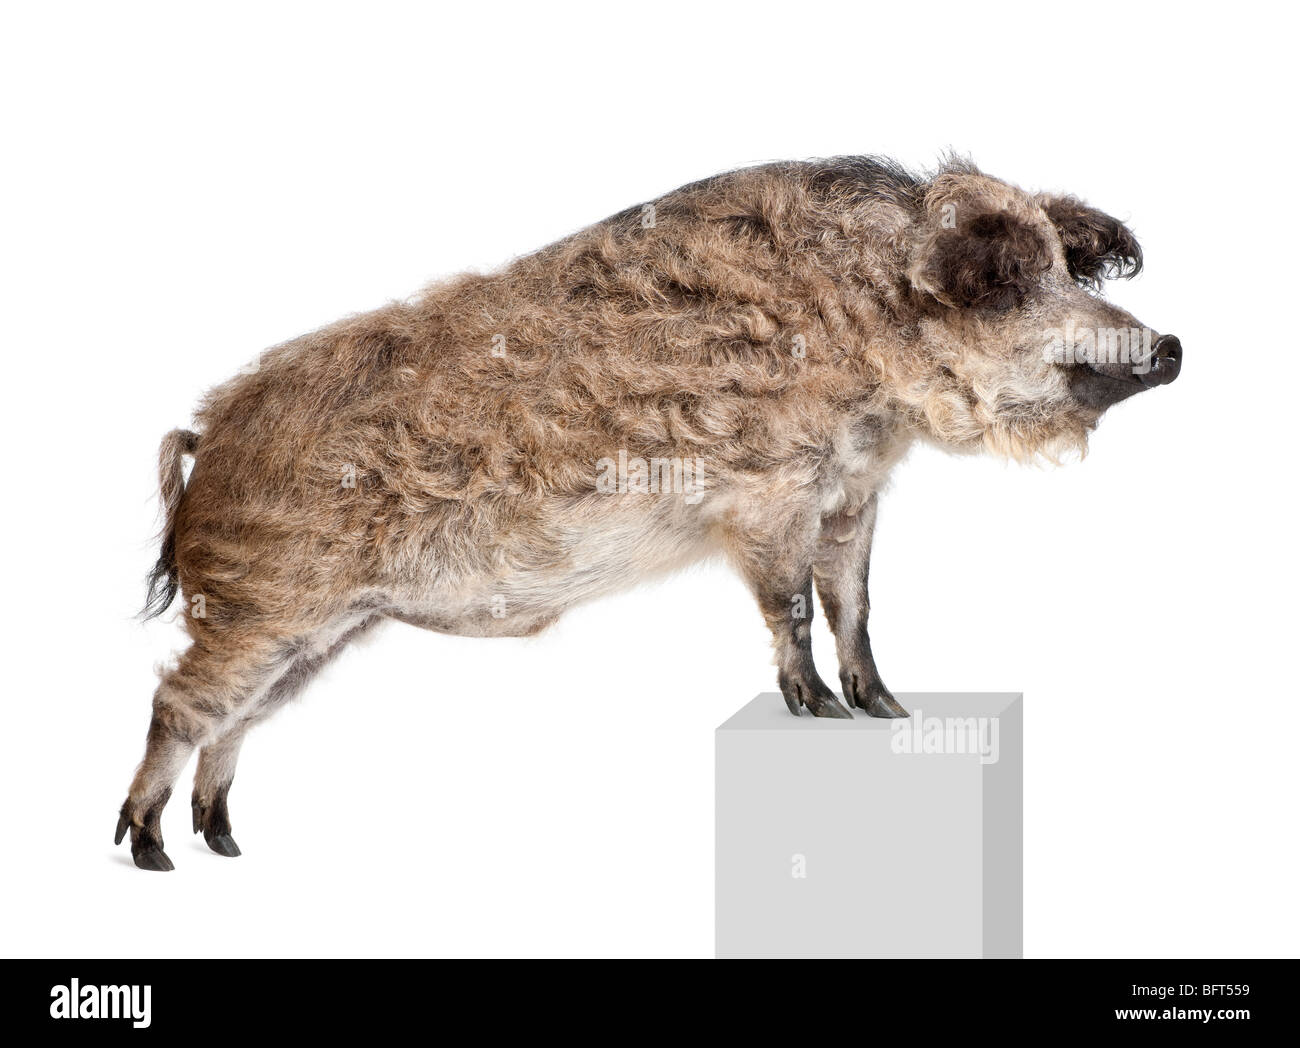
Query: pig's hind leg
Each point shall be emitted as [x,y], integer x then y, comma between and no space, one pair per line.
[194,704]
[209,804]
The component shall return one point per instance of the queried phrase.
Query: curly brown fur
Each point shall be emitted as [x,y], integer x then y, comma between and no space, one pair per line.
[791,329]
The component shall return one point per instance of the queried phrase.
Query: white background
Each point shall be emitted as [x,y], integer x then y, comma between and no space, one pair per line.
[183,188]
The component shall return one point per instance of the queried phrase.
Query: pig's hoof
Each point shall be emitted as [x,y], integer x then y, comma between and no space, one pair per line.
[829,707]
[222,844]
[821,701]
[146,840]
[884,706]
[877,702]
[152,859]
[865,692]
[213,821]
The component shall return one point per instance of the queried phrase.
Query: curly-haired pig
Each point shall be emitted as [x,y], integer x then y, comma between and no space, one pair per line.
[733,368]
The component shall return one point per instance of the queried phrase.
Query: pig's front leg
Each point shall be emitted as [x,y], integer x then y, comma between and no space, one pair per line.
[841,566]
[777,562]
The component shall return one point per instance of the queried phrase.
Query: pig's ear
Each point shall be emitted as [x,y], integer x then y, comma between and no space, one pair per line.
[1097,246]
[990,261]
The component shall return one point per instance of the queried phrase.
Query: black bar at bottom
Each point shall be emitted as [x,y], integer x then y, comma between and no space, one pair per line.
[609,999]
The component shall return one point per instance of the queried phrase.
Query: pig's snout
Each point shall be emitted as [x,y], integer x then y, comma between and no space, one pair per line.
[1166,362]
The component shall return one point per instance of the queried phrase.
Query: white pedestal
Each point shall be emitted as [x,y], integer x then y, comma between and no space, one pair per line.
[871,838]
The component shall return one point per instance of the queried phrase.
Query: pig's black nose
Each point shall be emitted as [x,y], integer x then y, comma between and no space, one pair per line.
[1166,361]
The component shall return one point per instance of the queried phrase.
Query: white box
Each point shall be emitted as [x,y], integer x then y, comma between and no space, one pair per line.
[871,838]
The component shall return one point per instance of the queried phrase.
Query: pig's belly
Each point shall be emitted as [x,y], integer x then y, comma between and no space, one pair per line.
[514,601]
